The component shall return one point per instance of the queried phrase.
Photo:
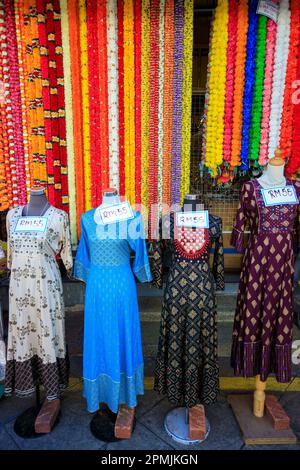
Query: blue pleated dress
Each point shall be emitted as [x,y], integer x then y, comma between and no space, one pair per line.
[113,371]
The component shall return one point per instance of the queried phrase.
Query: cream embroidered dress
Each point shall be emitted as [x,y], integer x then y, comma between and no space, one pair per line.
[36,351]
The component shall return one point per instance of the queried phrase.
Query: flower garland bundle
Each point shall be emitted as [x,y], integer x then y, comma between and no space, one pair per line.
[6,174]
[186,98]
[14,79]
[85,104]
[60,107]
[129,115]
[239,78]
[19,8]
[230,78]
[291,76]
[94,99]
[103,179]
[206,98]
[7,116]
[258,89]
[137,77]
[177,101]
[268,80]
[217,87]
[249,83]
[112,77]
[280,65]
[121,96]
[73,15]
[153,124]
[167,107]
[69,119]
[161,75]
[293,164]
[145,104]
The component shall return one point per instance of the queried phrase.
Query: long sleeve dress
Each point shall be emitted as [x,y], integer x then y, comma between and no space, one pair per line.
[263,324]
[187,369]
[36,349]
[112,352]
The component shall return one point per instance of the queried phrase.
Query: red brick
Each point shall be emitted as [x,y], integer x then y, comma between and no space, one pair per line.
[197,423]
[279,418]
[124,422]
[47,416]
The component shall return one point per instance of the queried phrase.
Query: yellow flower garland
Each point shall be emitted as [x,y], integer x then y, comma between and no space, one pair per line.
[215,113]
[186,98]
[129,102]
[85,104]
[145,103]
[69,117]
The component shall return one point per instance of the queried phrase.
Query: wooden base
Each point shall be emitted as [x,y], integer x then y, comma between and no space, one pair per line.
[257,431]
[197,423]
[47,416]
[125,422]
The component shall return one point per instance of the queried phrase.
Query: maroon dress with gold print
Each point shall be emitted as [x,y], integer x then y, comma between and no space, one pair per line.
[262,332]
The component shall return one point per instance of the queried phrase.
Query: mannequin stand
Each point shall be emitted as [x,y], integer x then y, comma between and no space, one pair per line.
[103,424]
[25,423]
[261,418]
[177,426]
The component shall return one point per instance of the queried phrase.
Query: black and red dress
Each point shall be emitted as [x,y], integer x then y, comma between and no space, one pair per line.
[187,368]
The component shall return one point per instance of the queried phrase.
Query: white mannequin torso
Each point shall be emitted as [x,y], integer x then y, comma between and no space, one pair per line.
[109,199]
[272,177]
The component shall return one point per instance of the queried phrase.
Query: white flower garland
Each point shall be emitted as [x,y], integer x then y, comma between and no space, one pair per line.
[280,65]
[113,92]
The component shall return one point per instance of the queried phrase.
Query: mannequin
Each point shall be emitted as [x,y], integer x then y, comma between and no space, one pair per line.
[273,176]
[38,204]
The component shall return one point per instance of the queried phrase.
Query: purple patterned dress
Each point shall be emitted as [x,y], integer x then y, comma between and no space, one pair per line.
[262,332]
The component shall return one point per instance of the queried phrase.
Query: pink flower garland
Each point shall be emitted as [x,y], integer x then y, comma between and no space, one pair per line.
[268,82]
[230,74]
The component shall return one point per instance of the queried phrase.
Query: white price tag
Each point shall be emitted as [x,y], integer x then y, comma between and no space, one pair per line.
[196,219]
[31,224]
[279,196]
[269,8]
[115,213]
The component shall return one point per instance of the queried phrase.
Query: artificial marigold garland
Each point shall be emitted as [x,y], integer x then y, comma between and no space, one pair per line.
[239,78]
[217,84]
[161,72]
[137,79]
[186,98]
[121,96]
[145,103]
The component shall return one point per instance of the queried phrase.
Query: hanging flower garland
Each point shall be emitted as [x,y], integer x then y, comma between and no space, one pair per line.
[239,78]
[230,78]
[167,105]
[269,68]
[177,101]
[121,96]
[258,89]
[145,106]
[217,87]
[69,119]
[286,131]
[137,104]
[161,75]
[249,83]
[280,65]
[112,77]
[74,32]
[186,98]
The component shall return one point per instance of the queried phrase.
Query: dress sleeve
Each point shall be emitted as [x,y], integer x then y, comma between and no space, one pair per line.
[82,260]
[218,261]
[66,250]
[141,267]
[9,253]
[237,236]
[155,252]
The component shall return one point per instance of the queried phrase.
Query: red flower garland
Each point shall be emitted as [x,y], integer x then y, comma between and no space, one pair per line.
[92,14]
[153,121]
[138,122]
[121,96]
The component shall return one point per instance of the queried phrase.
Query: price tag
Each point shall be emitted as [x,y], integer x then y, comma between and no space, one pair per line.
[195,219]
[269,8]
[114,213]
[279,196]
[31,224]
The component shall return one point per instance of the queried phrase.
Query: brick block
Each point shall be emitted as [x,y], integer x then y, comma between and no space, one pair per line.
[279,418]
[124,422]
[197,423]
[47,416]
